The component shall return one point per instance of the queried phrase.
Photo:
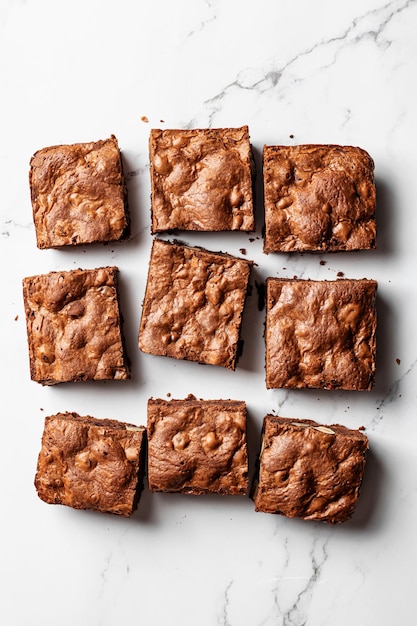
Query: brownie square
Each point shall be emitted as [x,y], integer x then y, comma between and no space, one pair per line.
[320,334]
[318,198]
[308,470]
[193,304]
[88,463]
[74,326]
[78,194]
[201,180]
[197,446]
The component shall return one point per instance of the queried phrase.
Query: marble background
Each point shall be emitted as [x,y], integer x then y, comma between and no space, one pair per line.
[295,72]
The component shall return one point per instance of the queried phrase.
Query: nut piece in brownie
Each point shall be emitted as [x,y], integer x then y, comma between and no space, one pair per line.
[318,198]
[308,470]
[193,304]
[74,326]
[320,334]
[78,194]
[201,180]
[197,446]
[88,463]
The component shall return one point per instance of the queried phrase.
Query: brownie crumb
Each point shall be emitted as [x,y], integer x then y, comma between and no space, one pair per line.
[398,361]
[242,250]
[340,274]
[16,318]
[322,262]
[251,239]
[291,136]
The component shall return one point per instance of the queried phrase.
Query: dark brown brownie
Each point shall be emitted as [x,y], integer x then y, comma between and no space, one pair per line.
[74,326]
[193,304]
[320,334]
[308,470]
[197,446]
[78,194]
[318,198]
[88,463]
[201,179]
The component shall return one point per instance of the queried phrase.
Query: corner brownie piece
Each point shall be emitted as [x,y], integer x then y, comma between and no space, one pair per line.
[78,194]
[201,179]
[308,470]
[318,198]
[320,334]
[74,326]
[88,463]
[193,304]
[197,446]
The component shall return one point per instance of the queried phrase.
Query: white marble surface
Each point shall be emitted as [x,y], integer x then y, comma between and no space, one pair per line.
[295,72]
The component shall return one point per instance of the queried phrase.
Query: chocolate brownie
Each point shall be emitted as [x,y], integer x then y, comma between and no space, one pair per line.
[78,194]
[320,334]
[88,463]
[318,198]
[197,446]
[201,179]
[308,470]
[74,326]
[193,304]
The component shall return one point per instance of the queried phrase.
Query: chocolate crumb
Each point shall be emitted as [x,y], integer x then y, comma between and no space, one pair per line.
[242,250]
[295,277]
[322,262]
[340,274]
[162,121]
[144,118]
[251,238]
[398,361]
[16,318]
[168,394]
[291,136]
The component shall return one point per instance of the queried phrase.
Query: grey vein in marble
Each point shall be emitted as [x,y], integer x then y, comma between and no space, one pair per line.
[358,30]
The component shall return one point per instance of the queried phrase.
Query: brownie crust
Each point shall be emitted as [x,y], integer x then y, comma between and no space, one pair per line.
[87,463]
[201,179]
[74,326]
[197,446]
[308,470]
[318,198]
[78,194]
[320,334]
[193,304]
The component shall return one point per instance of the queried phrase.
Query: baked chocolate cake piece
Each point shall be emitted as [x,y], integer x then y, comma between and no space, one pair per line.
[89,463]
[320,334]
[308,470]
[74,326]
[78,194]
[201,180]
[193,304]
[318,198]
[197,446]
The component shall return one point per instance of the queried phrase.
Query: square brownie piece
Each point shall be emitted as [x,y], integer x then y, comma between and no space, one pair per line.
[201,180]
[78,194]
[318,198]
[88,463]
[74,326]
[193,304]
[320,334]
[308,470]
[197,446]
